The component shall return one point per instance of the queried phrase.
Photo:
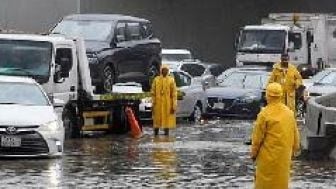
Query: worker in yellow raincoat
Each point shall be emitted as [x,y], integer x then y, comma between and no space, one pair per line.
[275,140]
[289,78]
[164,99]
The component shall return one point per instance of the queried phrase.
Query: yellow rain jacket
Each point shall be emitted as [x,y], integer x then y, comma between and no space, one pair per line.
[164,98]
[275,139]
[290,80]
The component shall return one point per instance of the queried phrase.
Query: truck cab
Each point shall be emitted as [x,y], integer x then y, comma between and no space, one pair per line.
[51,61]
[279,33]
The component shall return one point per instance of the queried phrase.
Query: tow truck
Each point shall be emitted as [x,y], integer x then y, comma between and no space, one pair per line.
[61,66]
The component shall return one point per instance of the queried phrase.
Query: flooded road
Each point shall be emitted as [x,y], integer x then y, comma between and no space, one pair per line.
[209,155]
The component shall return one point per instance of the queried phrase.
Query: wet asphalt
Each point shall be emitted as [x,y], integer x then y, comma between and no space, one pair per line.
[211,155]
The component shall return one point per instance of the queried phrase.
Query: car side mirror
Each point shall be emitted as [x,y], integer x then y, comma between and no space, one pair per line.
[180,95]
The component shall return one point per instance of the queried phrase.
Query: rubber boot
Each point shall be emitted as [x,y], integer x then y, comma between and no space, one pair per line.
[156,132]
[166,132]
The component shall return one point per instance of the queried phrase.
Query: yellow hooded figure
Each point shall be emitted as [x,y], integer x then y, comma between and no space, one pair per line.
[275,139]
[290,80]
[164,99]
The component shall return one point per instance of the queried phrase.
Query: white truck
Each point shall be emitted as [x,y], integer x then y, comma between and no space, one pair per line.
[61,66]
[309,39]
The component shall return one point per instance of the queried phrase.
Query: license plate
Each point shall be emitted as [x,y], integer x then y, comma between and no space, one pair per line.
[10,141]
[219,105]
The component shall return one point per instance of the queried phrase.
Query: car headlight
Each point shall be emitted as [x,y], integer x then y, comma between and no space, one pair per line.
[50,126]
[146,100]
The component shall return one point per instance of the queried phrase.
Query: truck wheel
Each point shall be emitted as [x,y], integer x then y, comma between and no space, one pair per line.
[109,79]
[71,129]
[196,116]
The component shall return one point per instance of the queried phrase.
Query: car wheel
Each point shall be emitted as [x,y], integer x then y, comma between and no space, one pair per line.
[196,116]
[109,78]
[70,128]
[300,107]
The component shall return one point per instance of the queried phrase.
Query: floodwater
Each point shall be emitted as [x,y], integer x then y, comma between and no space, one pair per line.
[194,156]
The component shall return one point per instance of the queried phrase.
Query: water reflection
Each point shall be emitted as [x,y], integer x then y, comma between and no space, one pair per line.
[165,158]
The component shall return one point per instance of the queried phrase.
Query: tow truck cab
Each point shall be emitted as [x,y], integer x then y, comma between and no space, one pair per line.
[61,66]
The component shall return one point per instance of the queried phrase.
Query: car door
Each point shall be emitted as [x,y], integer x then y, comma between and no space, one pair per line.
[64,88]
[183,83]
[122,55]
[136,60]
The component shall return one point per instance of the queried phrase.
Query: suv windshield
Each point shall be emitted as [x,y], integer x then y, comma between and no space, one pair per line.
[262,41]
[22,93]
[176,57]
[86,29]
[25,58]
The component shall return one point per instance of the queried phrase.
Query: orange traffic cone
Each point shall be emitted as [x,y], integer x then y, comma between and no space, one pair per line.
[135,128]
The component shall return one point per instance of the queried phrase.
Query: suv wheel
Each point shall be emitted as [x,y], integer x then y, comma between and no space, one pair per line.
[109,78]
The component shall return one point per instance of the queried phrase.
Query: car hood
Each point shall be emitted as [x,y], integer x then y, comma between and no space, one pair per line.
[320,89]
[96,46]
[230,93]
[20,115]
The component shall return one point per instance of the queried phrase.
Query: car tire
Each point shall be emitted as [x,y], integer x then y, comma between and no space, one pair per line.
[108,79]
[196,116]
[71,129]
[300,108]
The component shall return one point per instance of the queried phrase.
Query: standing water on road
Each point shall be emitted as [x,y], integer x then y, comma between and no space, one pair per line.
[209,155]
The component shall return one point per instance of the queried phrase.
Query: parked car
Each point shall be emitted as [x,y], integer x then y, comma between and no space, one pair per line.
[119,48]
[29,125]
[191,101]
[322,83]
[240,93]
[197,70]
[175,55]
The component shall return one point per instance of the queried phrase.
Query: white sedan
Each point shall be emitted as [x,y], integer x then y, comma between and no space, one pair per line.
[29,125]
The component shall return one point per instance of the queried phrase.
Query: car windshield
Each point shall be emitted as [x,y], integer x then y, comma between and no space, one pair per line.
[320,75]
[176,57]
[262,41]
[25,58]
[328,79]
[86,29]
[22,93]
[245,80]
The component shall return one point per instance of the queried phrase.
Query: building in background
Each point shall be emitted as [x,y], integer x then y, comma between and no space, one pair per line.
[207,28]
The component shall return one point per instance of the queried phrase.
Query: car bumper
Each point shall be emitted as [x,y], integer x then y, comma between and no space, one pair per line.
[35,143]
[236,110]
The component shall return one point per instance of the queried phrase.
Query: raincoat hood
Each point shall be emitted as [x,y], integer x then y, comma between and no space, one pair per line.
[274,90]
[164,66]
